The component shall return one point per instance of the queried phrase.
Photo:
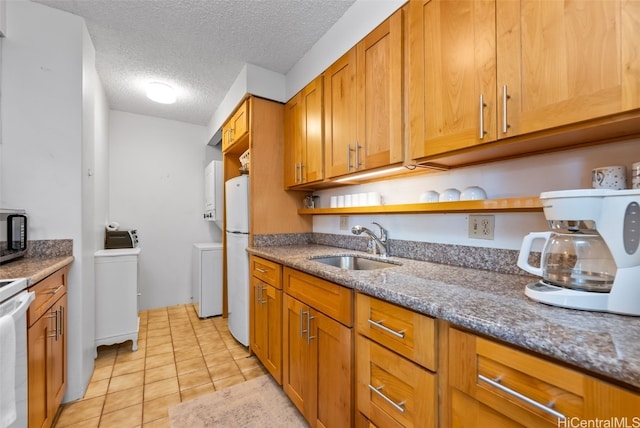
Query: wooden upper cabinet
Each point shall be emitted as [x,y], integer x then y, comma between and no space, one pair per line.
[303,136]
[236,127]
[536,64]
[340,114]
[563,62]
[379,102]
[363,103]
[452,75]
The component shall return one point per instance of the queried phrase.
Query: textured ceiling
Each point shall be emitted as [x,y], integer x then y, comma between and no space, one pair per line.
[197,46]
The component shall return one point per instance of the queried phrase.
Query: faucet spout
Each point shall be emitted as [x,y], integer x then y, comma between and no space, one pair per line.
[381,242]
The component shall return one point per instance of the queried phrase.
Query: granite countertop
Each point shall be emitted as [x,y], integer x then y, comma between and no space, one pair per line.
[489,303]
[33,268]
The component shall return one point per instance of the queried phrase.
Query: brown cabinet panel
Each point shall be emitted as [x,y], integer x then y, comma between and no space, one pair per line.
[505,383]
[46,349]
[304,142]
[331,299]
[404,331]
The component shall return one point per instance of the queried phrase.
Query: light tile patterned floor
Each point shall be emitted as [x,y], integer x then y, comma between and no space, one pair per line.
[179,357]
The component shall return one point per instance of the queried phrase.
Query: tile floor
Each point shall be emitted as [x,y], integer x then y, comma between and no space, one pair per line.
[179,357]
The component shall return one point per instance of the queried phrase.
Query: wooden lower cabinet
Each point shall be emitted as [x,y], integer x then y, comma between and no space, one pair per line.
[265,320]
[266,325]
[493,384]
[46,349]
[391,390]
[318,365]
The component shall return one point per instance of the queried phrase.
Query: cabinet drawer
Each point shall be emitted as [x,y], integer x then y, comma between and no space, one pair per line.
[529,389]
[267,271]
[391,390]
[332,299]
[48,291]
[402,330]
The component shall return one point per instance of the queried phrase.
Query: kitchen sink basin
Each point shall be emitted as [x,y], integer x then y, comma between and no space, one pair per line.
[354,262]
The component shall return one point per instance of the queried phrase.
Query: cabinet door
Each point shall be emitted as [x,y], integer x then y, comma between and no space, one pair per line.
[469,413]
[267,327]
[313,154]
[39,342]
[332,345]
[298,378]
[452,75]
[562,62]
[57,375]
[379,80]
[340,115]
[293,140]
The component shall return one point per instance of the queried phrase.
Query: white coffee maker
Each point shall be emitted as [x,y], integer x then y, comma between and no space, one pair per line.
[591,257]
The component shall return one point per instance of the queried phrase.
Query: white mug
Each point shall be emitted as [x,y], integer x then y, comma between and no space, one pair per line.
[609,177]
[635,175]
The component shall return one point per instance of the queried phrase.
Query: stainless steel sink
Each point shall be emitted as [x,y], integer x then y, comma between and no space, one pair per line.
[354,262]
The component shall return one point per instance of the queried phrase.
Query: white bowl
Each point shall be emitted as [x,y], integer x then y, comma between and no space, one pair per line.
[473,193]
[450,195]
[429,196]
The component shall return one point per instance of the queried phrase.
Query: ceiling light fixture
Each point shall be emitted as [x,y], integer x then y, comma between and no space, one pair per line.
[161,93]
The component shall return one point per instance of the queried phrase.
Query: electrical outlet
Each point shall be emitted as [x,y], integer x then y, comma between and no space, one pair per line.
[481,226]
[344,222]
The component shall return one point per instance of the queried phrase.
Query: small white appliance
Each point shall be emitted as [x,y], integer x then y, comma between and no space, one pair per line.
[14,302]
[206,287]
[237,241]
[213,210]
[117,294]
[590,215]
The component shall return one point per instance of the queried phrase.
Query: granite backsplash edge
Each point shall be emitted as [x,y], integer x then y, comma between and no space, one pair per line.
[50,248]
[490,259]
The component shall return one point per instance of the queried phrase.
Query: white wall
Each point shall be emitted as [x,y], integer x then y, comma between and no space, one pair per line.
[156,186]
[519,177]
[52,106]
[358,21]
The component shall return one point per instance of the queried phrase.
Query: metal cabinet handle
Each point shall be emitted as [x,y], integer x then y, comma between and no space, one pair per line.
[260,299]
[349,166]
[61,320]
[54,314]
[302,330]
[398,406]
[301,175]
[482,106]
[309,318]
[496,384]
[261,270]
[505,97]
[54,290]
[258,292]
[358,147]
[378,324]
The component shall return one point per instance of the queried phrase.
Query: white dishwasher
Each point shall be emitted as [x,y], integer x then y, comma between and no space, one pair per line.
[117,318]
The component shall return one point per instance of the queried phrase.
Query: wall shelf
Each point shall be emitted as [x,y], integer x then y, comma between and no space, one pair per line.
[520,204]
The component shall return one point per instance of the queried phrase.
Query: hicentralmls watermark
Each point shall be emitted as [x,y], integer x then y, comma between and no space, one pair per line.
[613,422]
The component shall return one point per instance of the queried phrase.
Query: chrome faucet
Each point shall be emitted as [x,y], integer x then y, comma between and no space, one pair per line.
[381,242]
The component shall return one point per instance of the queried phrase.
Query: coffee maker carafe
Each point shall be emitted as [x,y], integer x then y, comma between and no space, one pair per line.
[591,258]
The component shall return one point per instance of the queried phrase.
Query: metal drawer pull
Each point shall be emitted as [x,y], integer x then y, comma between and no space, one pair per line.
[398,406]
[55,290]
[378,324]
[261,298]
[496,383]
[261,270]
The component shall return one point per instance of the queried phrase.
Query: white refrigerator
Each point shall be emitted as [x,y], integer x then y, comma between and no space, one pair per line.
[237,234]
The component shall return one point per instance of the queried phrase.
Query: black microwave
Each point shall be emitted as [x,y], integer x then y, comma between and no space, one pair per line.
[13,234]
